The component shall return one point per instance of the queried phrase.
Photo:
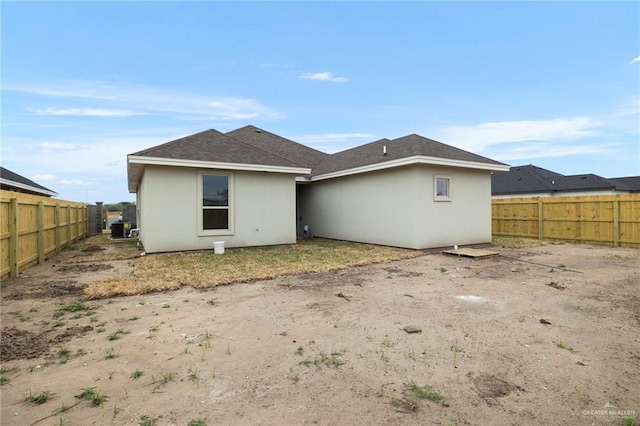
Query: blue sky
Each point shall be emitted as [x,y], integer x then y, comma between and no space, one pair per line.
[85,83]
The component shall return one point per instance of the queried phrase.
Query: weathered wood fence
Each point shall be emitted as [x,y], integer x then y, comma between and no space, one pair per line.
[32,227]
[605,219]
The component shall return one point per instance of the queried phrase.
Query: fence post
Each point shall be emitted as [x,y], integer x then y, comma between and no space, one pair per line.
[13,238]
[616,223]
[57,233]
[68,224]
[86,220]
[40,232]
[540,227]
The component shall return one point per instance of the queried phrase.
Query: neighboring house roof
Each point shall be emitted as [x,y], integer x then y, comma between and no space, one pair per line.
[285,148]
[251,148]
[632,182]
[522,179]
[409,149]
[533,179]
[585,182]
[14,182]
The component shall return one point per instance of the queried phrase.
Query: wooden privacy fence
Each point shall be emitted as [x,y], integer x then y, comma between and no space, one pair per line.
[599,219]
[32,227]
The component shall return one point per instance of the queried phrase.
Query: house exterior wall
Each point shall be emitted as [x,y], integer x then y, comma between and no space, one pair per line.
[168,198]
[563,194]
[396,207]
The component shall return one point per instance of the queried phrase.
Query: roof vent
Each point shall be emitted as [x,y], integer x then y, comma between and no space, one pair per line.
[583,177]
[258,131]
[384,150]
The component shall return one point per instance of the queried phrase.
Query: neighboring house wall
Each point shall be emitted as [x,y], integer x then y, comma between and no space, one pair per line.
[396,207]
[562,194]
[169,203]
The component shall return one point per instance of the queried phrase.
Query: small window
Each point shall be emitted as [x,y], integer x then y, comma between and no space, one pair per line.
[442,188]
[215,204]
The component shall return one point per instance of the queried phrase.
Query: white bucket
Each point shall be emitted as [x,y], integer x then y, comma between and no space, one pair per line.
[218,247]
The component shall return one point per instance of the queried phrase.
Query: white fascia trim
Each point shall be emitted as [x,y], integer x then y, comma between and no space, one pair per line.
[28,187]
[156,161]
[417,159]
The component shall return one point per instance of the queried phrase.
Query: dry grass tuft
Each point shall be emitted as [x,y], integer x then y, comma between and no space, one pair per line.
[201,269]
[104,257]
[517,242]
[121,249]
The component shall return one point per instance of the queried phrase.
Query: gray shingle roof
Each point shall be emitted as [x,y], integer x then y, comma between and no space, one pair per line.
[213,146]
[533,179]
[522,179]
[631,182]
[404,147]
[285,148]
[253,146]
[24,184]
[582,182]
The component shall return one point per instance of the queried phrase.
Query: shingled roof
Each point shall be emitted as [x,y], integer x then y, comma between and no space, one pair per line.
[213,146]
[285,148]
[14,182]
[631,182]
[251,148]
[532,179]
[397,149]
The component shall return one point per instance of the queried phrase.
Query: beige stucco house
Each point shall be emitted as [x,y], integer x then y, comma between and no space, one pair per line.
[249,187]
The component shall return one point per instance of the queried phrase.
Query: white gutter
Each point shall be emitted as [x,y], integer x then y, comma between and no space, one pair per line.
[156,161]
[417,159]
[28,187]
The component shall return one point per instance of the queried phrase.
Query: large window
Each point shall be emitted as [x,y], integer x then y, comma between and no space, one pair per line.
[442,188]
[216,204]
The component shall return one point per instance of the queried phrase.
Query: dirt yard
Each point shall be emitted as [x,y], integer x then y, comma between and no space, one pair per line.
[536,336]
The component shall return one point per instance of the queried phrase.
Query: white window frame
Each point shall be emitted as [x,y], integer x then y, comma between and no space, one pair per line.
[437,197]
[213,232]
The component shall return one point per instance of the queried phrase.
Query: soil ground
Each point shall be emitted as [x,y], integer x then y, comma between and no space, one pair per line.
[331,348]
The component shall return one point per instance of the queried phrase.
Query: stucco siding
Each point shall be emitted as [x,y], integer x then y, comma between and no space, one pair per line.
[263,210]
[563,194]
[396,207]
[466,218]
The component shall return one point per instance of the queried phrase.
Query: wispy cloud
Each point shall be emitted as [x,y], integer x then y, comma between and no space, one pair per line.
[534,150]
[628,107]
[92,112]
[71,163]
[43,177]
[333,142]
[323,76]
[50,147]
[525,140]
[478,137]
[75,182]
[635,60]
[122,98]
[322,138]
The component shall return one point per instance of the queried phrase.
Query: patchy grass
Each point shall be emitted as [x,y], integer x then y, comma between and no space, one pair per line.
[424,392]
[202,269]
[583,394]
[333,360]
[517,242]
[95,397]
[563,345]
[120,249]
[39,398]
